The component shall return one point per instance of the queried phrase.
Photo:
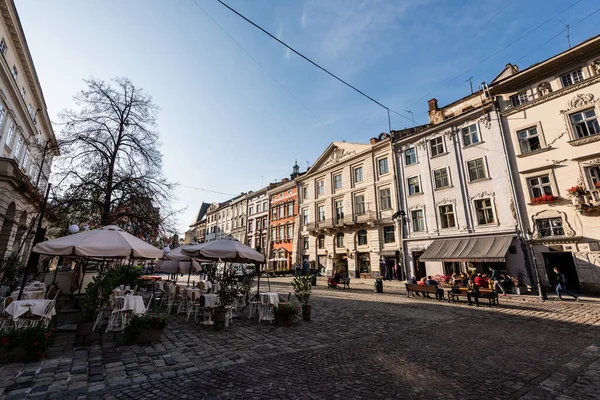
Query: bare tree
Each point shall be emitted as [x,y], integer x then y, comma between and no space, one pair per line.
[111,167]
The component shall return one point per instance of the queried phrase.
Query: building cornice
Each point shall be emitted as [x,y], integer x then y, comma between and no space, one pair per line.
[552,95]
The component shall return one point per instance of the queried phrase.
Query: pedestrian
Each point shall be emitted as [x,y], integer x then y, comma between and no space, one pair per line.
[496,277]
[561,285]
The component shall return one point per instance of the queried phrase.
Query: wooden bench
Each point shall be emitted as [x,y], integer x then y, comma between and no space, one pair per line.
[344,283]
[425,289]
[455,292]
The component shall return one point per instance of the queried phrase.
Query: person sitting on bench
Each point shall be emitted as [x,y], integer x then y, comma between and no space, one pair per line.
[433,282]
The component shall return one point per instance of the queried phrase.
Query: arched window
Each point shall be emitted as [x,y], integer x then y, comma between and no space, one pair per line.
[321,242]
[339,240]
[362,237]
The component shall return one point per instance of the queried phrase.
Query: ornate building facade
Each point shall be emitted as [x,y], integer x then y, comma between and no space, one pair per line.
[27,141]
[347,199]
[550,117]
[258,219]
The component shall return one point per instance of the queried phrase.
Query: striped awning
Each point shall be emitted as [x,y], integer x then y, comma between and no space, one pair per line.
[475,249]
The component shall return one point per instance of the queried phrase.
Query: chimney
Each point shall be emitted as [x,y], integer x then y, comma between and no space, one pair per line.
[433,105]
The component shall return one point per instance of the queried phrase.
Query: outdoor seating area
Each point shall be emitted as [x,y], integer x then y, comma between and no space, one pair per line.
[36,307]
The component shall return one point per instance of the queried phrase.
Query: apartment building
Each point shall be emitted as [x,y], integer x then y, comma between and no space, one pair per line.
[238,207]
[27,141]
[258,219]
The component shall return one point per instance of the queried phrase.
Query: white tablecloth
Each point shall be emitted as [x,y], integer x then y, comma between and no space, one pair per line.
[270,298]
[210,300]
[29,294]
[20,307]
[134,304]
[188,292]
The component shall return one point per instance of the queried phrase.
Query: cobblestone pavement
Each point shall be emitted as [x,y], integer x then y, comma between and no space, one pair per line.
[359,345]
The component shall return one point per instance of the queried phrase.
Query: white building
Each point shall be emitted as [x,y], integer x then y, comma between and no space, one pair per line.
[550,119]
[239,206]
[455,192]
[258,219]
[347,199]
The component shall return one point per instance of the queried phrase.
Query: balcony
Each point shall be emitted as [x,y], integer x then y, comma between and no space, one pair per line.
[327,223]
[11,172]
[368,216]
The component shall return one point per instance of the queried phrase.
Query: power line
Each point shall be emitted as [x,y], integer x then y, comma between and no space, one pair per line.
[266,71]
[311,61]
[204,190]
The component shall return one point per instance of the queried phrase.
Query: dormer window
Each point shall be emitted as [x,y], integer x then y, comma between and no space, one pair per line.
[571,78]
[518,99]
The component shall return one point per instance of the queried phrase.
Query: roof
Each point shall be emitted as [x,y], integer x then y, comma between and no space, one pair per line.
[202,212]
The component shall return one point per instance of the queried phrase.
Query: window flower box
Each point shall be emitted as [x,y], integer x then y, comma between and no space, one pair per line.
[544,199]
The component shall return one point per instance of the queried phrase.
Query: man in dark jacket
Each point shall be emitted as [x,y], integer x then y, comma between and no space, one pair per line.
[561,285]
[497,280]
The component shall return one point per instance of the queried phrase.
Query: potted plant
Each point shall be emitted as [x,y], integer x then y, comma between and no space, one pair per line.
[576,194]
[29,344]
[144,329]
[519,283]
[302,289]
[228,292]
[285,314]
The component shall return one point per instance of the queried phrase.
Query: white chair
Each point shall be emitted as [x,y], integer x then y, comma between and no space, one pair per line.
[6,321]
[117,317]
[149,303]
[103,315]
[193,307]
[31,321]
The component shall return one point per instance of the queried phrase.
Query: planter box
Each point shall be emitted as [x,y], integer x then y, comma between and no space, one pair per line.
[147,336]
[285,321]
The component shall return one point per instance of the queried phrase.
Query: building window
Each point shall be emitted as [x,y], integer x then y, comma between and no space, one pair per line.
[23,92]
[540,185]
[337,182]
[258,224]
[305,216]
[362,237]
[274,214]
[529,140]
[410,156]
[250,210]
[413,185]
[25,158]
[418,221]
[441,178]
[384,168]
[388,234]
[339,240]
[290,209]
[265,206]
[358,174]
[257,208]
[476,169]
[281,232]
[585,123]
[470,135]
[359,204]
[250,226]
[594,174]
[485,214]
[385,199]
[339,211]
[3,47]
[321,213]
[518,99]
[18,146]
[290,229]
[15,73]
[321,241]
[571,78]
[447,216]
[305,243]
[550,227]
[2,113]
[437,146]
[304,193]
[320,188]
[273,234]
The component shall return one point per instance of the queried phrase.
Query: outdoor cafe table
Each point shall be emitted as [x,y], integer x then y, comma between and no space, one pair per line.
[118,292]
[134,304]
[30,294]
[209,300]
[37,307]
[189,290]
[270,298]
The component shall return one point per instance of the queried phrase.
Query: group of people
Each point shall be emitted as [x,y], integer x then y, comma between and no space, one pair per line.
[478,280]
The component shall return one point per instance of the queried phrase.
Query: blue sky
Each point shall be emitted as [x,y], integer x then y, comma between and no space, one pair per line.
[238,113]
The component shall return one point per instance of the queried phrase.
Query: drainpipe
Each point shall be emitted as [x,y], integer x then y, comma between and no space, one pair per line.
[525,241]
[463,181]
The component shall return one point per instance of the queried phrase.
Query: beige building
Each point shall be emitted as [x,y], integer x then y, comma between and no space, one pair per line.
[27,141]
[238,207]
[455,192]
[347,199]
[550,118]
[258,219]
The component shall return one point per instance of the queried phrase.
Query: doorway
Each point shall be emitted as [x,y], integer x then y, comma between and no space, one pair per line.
[564,261]
[420,271]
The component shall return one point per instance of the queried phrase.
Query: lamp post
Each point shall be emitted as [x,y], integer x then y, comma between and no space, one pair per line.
[541,292]
[398,217]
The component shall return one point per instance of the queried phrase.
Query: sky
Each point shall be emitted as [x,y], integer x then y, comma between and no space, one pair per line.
[237,108]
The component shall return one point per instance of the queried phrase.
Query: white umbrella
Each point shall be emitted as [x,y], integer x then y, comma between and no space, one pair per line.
[178,255]
[227,250]
[107,242]
[176,267]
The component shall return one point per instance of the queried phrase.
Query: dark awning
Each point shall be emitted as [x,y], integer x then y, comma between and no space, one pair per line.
[475,249]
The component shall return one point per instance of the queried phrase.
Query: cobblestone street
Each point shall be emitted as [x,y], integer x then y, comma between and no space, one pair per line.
[359,345]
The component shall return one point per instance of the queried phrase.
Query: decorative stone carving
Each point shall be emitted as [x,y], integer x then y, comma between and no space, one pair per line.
[482,194]
[544,88]
[446,201]
[567,228]
[580,100]
[422,144]
[596,66]
[336,155]
[450,134]
[486,121]
[595,161]
[417,207]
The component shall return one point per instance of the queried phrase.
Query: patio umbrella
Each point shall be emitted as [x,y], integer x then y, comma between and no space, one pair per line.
[107,242]
[227,250]
[178,255]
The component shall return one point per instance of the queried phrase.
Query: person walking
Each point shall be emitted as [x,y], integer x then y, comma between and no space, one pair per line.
[561,285]
[497,280]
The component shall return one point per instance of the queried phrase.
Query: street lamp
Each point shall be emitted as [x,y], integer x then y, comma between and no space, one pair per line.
[73,229]
[166,250]
[398,217]
[541,292]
